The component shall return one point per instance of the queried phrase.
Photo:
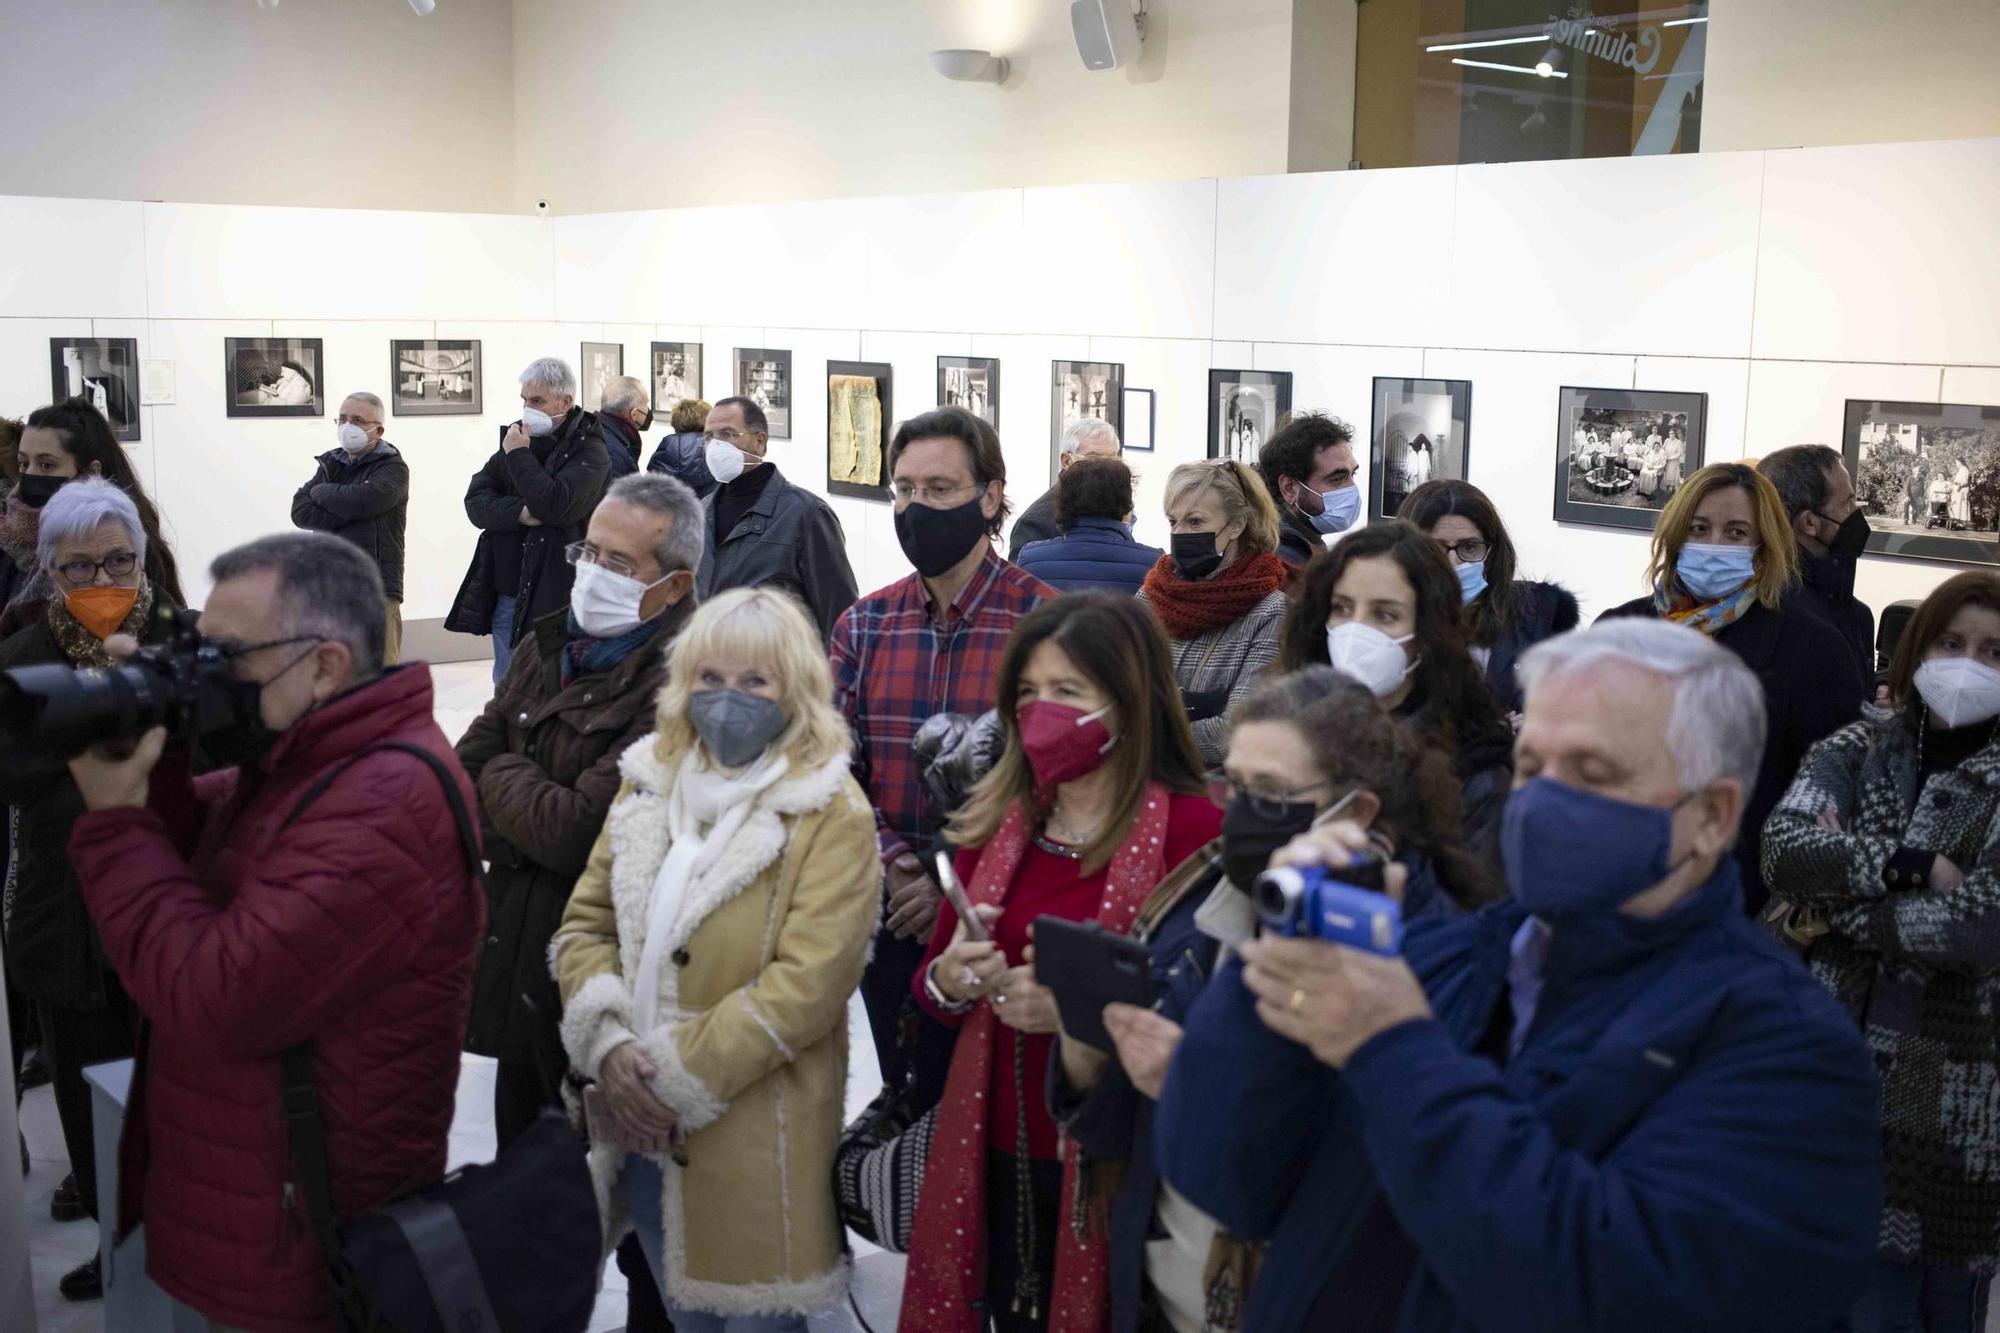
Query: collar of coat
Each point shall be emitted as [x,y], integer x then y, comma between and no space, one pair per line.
[1892,730]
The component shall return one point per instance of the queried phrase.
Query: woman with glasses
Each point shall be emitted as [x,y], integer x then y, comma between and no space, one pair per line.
[1219,592]
[1504,615]
[91,547]
[1308,748]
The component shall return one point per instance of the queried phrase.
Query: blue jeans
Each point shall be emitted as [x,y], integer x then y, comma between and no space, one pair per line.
[643,1186]
[1908,1298]
[503,635]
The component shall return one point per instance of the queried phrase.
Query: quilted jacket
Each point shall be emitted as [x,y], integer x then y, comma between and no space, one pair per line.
[1095,553]
[353,928]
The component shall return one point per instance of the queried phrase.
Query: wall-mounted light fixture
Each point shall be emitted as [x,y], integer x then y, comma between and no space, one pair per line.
[969,66]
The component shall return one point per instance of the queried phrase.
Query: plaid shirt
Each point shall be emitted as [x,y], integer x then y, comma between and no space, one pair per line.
[894,668]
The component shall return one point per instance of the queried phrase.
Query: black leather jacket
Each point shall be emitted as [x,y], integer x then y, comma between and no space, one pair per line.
[789,538]
[364,500]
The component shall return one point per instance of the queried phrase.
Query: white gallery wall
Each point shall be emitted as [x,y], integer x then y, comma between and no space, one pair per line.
[1779,283]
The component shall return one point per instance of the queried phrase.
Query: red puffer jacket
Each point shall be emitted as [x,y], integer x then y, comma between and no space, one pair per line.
[355,927]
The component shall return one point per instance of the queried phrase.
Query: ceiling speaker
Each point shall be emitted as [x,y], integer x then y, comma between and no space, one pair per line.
[1106,31]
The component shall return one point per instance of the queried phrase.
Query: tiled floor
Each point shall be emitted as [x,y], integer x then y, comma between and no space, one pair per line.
[54,1248]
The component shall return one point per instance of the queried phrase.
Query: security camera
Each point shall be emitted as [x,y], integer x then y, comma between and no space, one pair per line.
[423,7]
[541,205]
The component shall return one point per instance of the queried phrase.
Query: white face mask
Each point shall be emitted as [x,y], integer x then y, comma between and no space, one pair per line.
[1369,656]
[725,460]
[606,604]
[353,438]
[537,422]
[1959,690]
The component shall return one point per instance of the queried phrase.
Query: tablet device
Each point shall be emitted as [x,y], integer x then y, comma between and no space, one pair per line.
[1088,967]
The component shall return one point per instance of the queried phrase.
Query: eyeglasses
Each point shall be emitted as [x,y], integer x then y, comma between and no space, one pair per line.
[1268,805]
[728,435]
[579,553]
[1469,552]
[118,564]
[935,496]
[362,422]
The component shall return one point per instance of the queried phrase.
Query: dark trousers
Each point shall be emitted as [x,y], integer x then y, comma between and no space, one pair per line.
[1909,1298]
[1005,1260]
[72,1040]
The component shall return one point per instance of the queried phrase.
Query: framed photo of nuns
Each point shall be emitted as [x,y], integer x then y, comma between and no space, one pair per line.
[1622,453]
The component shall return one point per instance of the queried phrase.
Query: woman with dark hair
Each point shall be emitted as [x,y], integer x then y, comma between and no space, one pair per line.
[1304,749]
[71,439]
[1504,615]
[1887,850]
[1097,796]
[1725,562]
[1385,608]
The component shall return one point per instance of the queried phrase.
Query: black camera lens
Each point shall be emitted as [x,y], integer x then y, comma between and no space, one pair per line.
[55,712]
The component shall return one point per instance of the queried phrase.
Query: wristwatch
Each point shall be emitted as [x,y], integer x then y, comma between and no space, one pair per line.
[937,996]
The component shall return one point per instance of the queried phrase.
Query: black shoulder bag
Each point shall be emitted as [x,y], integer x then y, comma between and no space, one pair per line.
[510,1247]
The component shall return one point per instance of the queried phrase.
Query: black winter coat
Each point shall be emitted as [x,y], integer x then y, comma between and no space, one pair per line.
[560,488]
[622,447]
[364,500]
[1827,585]
[1298,540]
[789,538]
[1541,611]
[684,457]
[1037,523]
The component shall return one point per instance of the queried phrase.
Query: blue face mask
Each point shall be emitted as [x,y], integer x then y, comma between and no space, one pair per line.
[1710,573]
[1336,509]
[1569,852]
[1472,580]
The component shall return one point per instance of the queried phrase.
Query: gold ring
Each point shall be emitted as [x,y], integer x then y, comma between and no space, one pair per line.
[1298,1000]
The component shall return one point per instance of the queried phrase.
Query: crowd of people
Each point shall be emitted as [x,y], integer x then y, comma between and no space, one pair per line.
[1687,1021]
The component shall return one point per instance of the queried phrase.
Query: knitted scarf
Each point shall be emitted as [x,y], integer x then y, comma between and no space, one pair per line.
[585,656]
[946,1280]
[85,649]
[1190,608]
[1711,618]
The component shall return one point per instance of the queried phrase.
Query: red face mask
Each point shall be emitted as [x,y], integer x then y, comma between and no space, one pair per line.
[1062,743]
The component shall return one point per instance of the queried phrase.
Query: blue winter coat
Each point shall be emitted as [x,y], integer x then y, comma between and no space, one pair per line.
[1094,553]
[1687,1140]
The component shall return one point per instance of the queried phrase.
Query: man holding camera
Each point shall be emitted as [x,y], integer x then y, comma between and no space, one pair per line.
[1609,1102]
[316,894]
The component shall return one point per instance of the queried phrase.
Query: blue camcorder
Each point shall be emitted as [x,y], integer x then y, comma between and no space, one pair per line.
[1344,905]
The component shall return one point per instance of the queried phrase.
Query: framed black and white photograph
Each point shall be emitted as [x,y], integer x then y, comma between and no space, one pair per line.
[602,363]
[764,376]
[858,413]
[973,383]
[1419,432]
[104,372]
[1928,477]
[1080,389]
[676,376]
[435,377]
[1243,410]
[275,377]
[1622,453]
[1137,436]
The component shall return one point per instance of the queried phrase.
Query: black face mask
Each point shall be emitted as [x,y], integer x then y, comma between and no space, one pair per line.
[1250,836]
[1195,555]
[245,739]
[937,539]
[36,489]
[1852,537]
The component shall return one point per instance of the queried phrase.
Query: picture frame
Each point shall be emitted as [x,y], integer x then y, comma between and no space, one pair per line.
[1079,389]
[1138,435]
[675,375]
[859,410]
[104,372]
[1244,408]
[1928,477]
[973,383]
[1608,470]
[436,377]
[1419,430]
[601,364]
[274,377]
[764,376]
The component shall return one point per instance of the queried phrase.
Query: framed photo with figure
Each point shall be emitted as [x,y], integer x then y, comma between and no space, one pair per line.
[857,428]
[435,377]
[602,363]
[1928,477]
[973,383]
[1243,410]
[1081,389]
[1622,453]
[1419,433]
[104,372]
[764,376]
[676,376]
[274,377]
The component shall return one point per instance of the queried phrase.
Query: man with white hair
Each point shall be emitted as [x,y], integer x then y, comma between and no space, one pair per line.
[361,493]
[530,502]
[1607,1102]
[624,414]
[1086,437]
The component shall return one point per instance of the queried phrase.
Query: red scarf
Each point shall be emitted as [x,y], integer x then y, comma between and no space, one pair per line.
[946,1278]
[1190,608]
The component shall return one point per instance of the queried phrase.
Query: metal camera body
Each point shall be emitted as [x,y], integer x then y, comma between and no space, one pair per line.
[1344,906]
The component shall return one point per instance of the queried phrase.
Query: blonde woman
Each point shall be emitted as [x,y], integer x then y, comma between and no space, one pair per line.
[705,962]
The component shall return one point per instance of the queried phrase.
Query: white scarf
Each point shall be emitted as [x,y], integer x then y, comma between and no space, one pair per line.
[705,810]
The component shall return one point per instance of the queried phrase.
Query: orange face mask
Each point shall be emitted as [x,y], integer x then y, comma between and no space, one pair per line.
[101,610]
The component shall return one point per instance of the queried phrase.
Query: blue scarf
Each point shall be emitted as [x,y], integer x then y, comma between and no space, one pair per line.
[585,656]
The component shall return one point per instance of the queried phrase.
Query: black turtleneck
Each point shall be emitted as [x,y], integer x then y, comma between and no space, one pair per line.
[1948,747]
[734,500]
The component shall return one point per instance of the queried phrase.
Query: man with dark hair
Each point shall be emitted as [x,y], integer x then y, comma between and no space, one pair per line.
[926,644]
[764,530]
[1096,549]
[1832,531]
[1309,468]
[315,896]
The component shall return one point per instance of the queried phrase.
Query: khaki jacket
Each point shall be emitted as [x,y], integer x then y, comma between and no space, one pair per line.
[751,1034]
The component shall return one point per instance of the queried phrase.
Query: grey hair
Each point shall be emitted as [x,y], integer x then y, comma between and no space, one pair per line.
[623,394]
[551,373]
[363,396]
[1717,726]
[75,511]
[1087,428]
[687,527]
[327,589]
